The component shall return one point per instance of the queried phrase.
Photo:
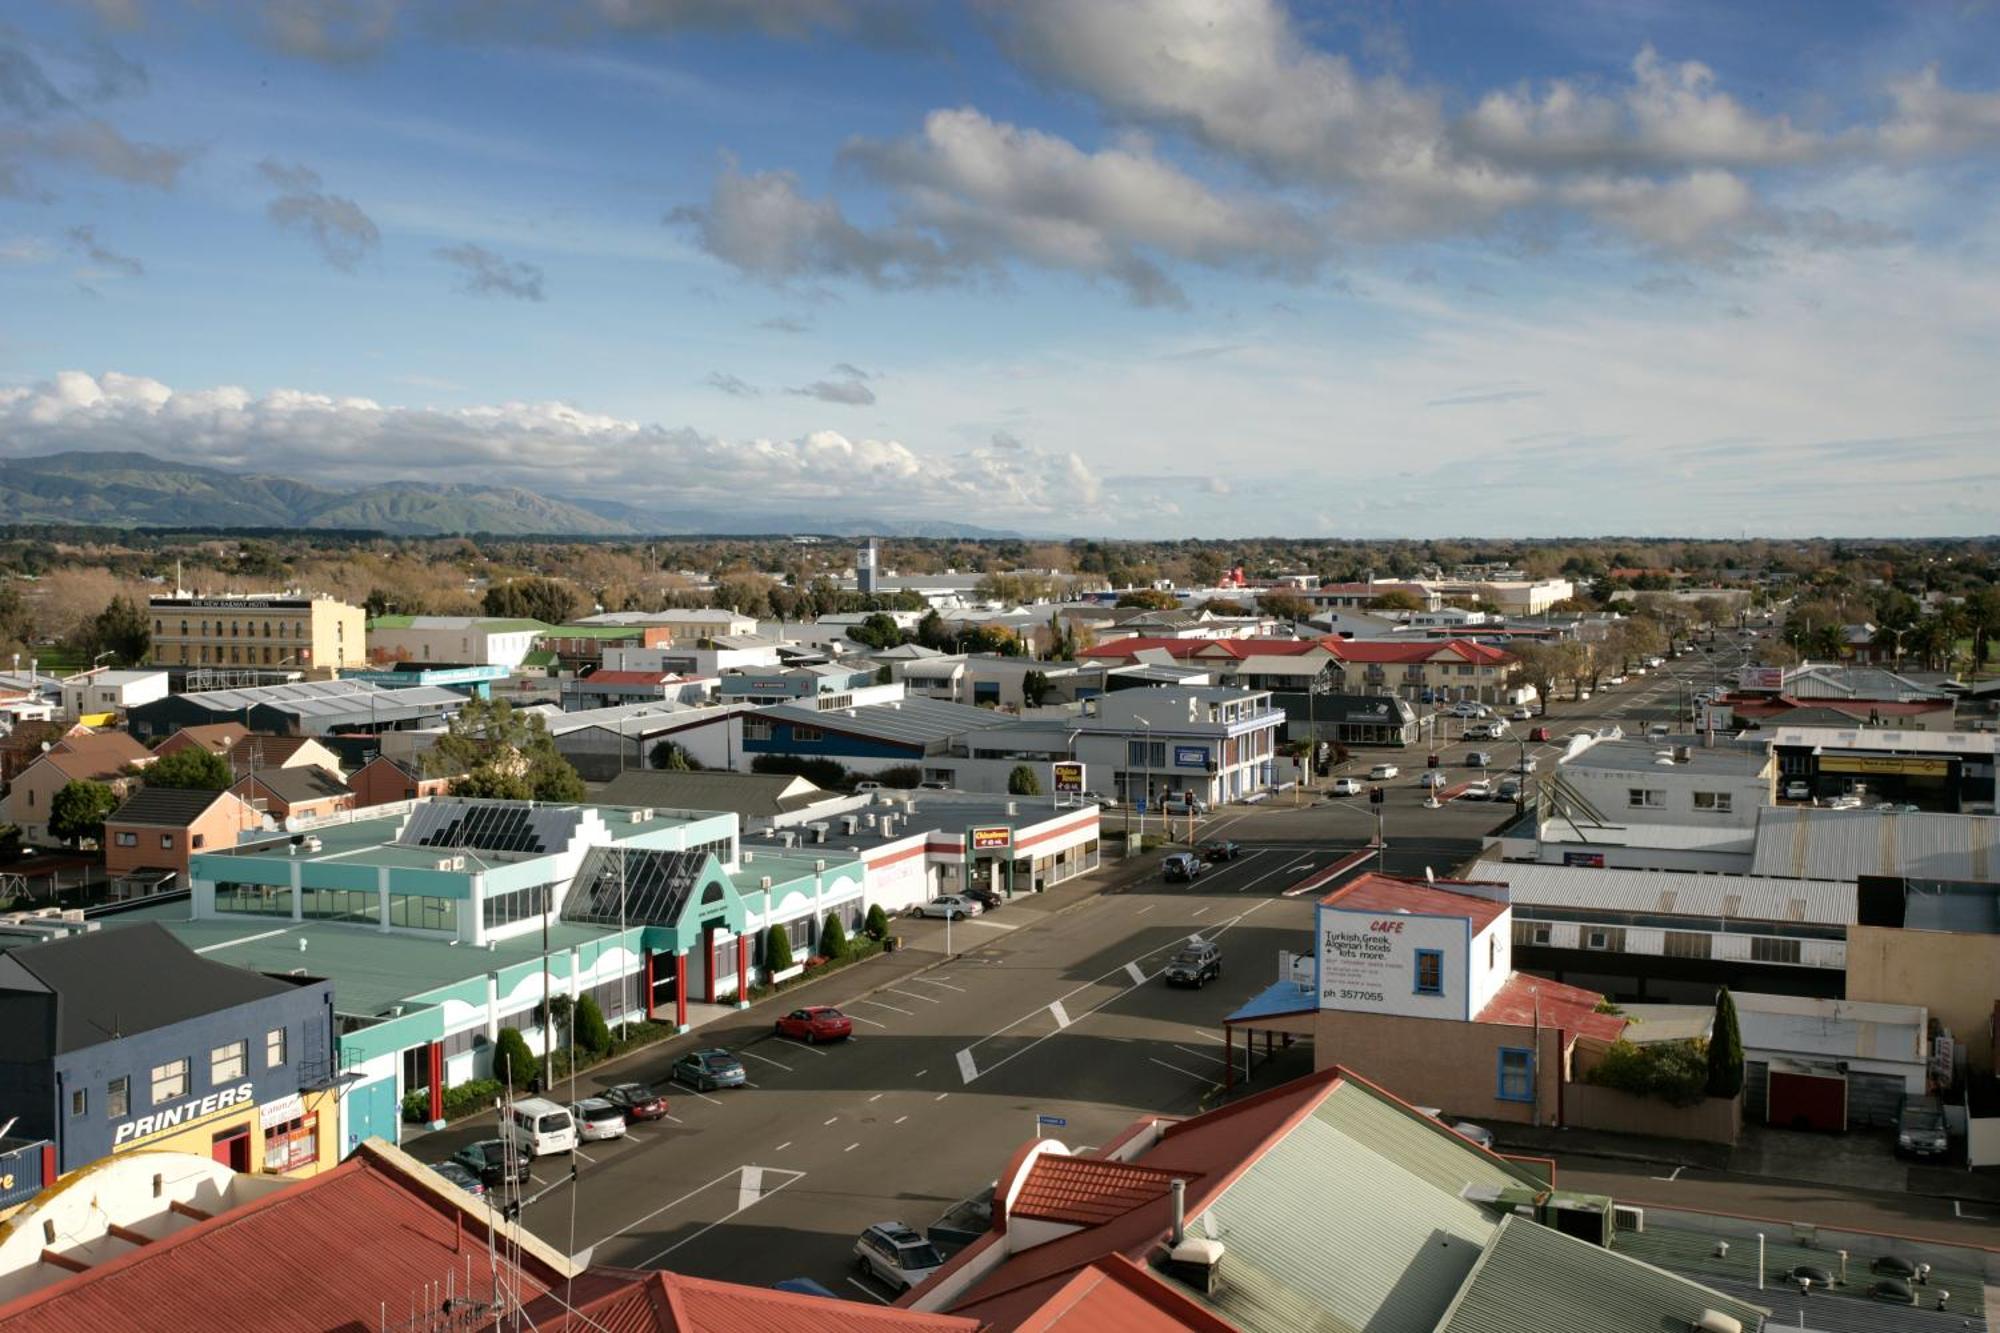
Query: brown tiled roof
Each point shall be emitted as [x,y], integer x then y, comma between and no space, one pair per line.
[214,737]
[1085,1191]
[266,751]
[98,757]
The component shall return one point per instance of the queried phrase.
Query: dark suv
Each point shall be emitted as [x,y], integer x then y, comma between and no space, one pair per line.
[1196,965]
[487,1159]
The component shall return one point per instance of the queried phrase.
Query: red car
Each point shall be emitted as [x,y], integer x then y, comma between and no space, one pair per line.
[637,1101]
[816,1023]
[1539,734]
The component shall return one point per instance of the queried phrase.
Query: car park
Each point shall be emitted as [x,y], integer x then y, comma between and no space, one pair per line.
[1383,772]
[461,1175]
[1478,758]
[816,1023]
[597,1118]
[1478,790]
[896,1255]
[1199,963]
[1221,850]
[637,1100]
[949,906]
[1183,867]
[1345,787]
[490,1160]
[709,1069]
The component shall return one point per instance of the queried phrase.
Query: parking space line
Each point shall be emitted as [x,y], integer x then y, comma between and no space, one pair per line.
[967,1069]
[1060,1014]
[921,1072]
[946,984]
[907,1013]
[1198,911]
[851,1147]
[912,995]
[1147,908]
[695,1092]
[798,1045]
[828,1121]
[941,1096]
[766,1059]
[584,1155]
[1199,1078]
[857,1284]
[1206,1035]
[859,1019]
[877,1097]
[1137,973]
[1202,1055]
[676,1119]
[900,1119]
[781,1147]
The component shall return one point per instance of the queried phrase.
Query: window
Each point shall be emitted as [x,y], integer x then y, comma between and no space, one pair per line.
[127,839]
[805,734]
[118,1098]
[198,840]
[1642,798]
[1430,972]
[79,1101]
[756,728]
[339,904]
[227,1063]
[166,842]
[1764,949]
[421,912]
[503,909]
[1610,939]
[170,1080]
[1685,944]
[292,1145]
[274,1048]
[1716,802]
[1516,1079]
[1492,952]
[255,899]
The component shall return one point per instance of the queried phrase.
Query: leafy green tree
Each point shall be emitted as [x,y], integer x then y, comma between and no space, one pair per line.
[833,938]
[673,757]
[878,631]
[78,811]
[1395,599]
[1285,605]
[1725,1050]
[1021,781]
[877,924]
[502,754]
[1149,599]
[819,772]
[190,768]
[592,1032]
[777,951]
[551,601]
[513,1060]
[933,633]
[121,629]
[1035,688]
[902,776]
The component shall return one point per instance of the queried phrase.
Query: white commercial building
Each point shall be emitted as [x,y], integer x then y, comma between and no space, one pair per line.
[106,691]
[453,640]
[1217,743]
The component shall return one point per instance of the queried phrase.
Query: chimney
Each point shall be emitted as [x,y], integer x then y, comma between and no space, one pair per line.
[1179,1192]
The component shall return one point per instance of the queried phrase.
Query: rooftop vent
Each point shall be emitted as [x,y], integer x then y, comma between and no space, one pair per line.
[1714,1321]
[1683,754]
[764,883]
[640,816]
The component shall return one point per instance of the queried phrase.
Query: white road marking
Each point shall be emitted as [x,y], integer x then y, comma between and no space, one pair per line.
[907,1013]
[876,1098]
[1202,1055]
[1147,908]
[922,1072]
[1061,1014]
[1198,911]
[900,1119]
[1674,1174]
[828,1121]
[767,1060]
[991,925]
[695,1092]
[781,1147]
[795,1177]
[538,1180]
[967,1069]
[859,1286]
[798,1045]
[676,1119]
[859,1019]
[1199,1078]
[749,1187]
[584,1155]
[1137,973]
[946,984]
[941,1096]
[912,995]
[636,1138]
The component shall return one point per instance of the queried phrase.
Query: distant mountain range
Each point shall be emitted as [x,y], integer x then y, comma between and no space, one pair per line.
[130,490]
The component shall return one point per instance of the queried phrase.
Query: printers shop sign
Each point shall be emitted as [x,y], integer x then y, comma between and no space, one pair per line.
[195,1108]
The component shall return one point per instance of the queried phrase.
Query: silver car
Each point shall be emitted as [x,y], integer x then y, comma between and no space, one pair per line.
[897,1255]
[949,905]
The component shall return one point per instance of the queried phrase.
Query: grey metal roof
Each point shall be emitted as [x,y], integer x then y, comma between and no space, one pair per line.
[325,698]
[1674,892]
[909,721]
[640,719]
[1635,755]
[1353,1220]
[1532,1277]
[1855,682]
[1974,744]
[750,795]
[1811,843]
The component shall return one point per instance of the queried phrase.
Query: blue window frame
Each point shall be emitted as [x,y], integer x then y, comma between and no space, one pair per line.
[1430,972]
[1515,1081]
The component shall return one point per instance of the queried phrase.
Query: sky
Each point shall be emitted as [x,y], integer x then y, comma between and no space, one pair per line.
[1142,268]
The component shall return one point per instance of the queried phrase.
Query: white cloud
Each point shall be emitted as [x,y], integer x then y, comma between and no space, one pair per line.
[361,441]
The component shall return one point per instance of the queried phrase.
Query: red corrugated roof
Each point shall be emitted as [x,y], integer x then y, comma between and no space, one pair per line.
[1387,893]
[1525,1001]
[1115,1295]
[628,678]
[674,1303]
[1085,1191]
[1421,650]
[323,1253]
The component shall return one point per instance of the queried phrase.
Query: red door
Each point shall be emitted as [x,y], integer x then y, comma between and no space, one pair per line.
[1807,1101]
[232,1148]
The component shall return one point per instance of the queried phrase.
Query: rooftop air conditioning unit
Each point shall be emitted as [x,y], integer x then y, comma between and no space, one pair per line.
[1013,808]
[848,823]
[764,883]
[641,816]
[1627,1217]
[313,844]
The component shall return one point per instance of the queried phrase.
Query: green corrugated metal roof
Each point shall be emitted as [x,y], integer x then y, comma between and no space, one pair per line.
[1533,1278]
[1352,1222]
[540,657]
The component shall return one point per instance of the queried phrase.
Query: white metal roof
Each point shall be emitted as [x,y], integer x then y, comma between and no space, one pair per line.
[1675,892]
[1883,739]
[1841,1029]
[1674,837]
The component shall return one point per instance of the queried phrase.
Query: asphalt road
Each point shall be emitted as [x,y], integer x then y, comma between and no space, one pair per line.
[1044,1013]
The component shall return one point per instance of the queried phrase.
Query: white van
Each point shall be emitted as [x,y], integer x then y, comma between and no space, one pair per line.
[540,1127]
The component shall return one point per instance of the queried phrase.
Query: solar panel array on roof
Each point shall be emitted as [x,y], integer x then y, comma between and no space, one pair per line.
[491,826]
[636,887]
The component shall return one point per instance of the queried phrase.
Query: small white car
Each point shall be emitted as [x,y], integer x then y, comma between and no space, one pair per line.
[1798,791]
[1522,714]
[1431,779]
[1345,787]
[1478,758]
[1383,772]
[1614,680]
[1526,764]
[1477,790]
[1467,708]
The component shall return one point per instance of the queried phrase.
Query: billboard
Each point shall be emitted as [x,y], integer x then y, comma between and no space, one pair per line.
[1066,778]
[1190,756]
[1761,678]
[1592,859]
[994,838]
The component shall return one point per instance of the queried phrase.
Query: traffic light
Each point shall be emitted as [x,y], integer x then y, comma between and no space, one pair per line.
[1374,796]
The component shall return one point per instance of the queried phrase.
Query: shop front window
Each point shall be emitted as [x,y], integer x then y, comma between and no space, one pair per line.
[291,1146]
